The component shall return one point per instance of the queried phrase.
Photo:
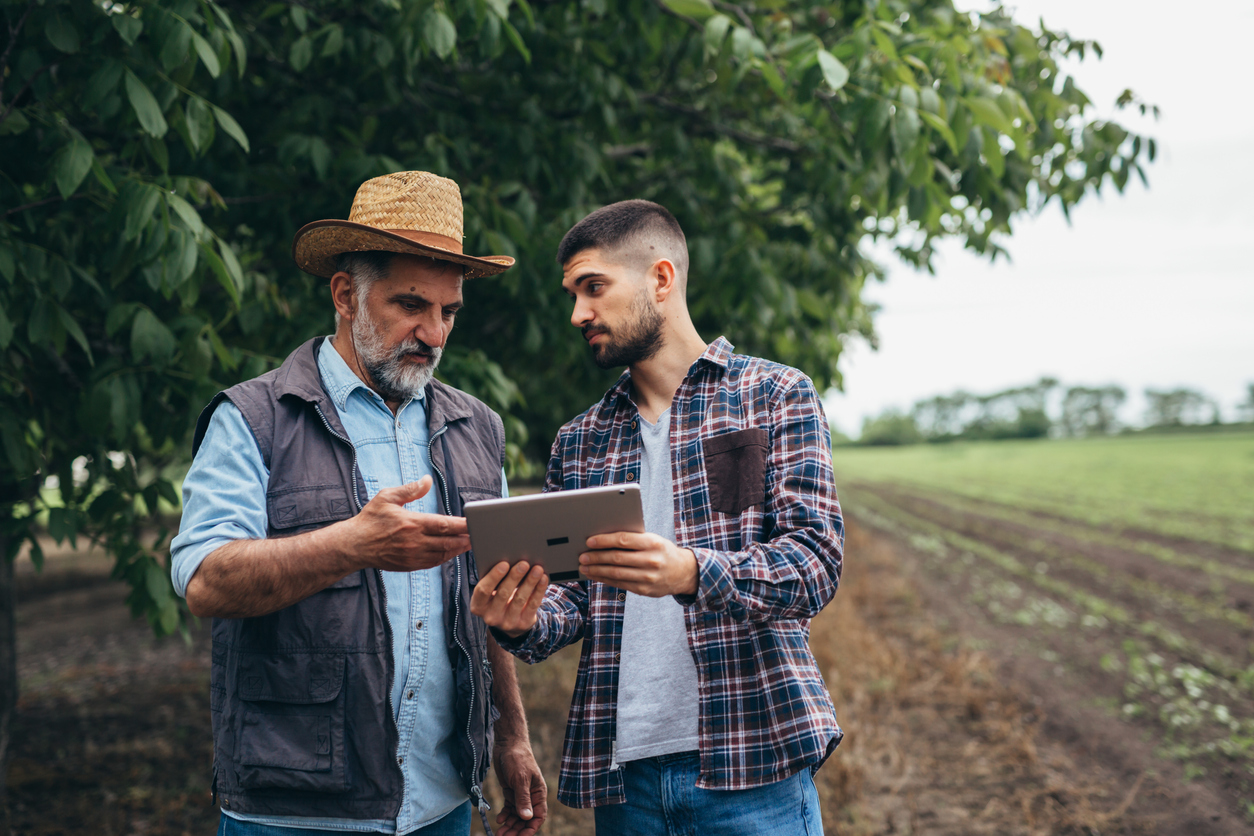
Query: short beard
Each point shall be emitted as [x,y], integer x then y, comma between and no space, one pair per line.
[393,377]
[641,338]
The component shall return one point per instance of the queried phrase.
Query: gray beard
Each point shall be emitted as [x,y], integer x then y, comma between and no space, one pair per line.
[394,378]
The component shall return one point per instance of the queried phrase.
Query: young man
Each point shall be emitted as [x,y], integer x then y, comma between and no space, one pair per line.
[351,688]
[698,706]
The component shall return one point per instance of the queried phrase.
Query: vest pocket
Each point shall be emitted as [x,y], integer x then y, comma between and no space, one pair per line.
[291,722]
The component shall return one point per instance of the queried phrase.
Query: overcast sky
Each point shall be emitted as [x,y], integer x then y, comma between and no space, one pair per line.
[1153,288]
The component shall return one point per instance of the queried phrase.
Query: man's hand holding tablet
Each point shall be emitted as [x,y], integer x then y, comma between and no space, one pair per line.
[507,597]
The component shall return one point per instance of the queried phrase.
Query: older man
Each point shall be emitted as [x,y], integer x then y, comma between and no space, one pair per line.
[351,688]
[698,707]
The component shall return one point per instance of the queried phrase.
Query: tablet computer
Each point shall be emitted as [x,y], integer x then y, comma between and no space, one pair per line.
[549,529]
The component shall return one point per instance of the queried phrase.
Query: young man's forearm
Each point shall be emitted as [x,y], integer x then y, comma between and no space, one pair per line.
[250,578]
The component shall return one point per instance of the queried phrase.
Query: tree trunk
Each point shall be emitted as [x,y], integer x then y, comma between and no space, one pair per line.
[8,676]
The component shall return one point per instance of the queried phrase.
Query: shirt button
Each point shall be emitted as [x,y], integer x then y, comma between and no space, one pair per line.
[417,625]
[410,695]
[617,656]
[631,477]
[400,761]
[633,425]
[622,596]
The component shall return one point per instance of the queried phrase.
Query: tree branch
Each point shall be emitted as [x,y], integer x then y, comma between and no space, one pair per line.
[13,33]
[43,202]
[777,143]
[25,87]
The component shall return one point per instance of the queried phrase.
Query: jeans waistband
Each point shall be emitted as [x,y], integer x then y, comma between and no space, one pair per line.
[671,757]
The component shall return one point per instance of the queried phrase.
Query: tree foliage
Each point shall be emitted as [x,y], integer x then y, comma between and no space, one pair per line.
[1179,407]
[156,159]
[1091,410]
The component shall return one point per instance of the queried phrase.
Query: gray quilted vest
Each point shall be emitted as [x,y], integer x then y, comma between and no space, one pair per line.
[300,698]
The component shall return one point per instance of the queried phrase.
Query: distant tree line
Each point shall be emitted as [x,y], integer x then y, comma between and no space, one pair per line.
[1025,412]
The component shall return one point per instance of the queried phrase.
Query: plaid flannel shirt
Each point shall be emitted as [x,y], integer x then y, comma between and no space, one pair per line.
[764,571]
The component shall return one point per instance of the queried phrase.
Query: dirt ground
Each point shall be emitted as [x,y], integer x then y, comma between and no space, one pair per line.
[112,734]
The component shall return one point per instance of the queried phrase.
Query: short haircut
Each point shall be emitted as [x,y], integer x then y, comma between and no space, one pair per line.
[366,268]
[632,230]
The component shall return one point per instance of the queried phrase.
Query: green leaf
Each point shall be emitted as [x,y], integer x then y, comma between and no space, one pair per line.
[224,357]
[772,78]
[72,328]
[439,33]
[127,27]
[156,582]
[986,112]
[6,329]
[232,265]
[61,33]
[71,164]
[141,201]
[145,105]
[187,214]
[715,33]
[220,272]
[516,39]
[320,156]
[119,317]
[299,17]
[834,72]
[37,330]
[150,339]
[696,9]
[102,83]
[941,127]
[102,177]
[60,524]
[177,43]
[8,265]
[231,127]
[199,119]
[301,52]
[183,263]
[334,42]
[207,56]
[14,124]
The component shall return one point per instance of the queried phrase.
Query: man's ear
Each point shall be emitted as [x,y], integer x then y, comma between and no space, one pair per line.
[342,295]
[663,275]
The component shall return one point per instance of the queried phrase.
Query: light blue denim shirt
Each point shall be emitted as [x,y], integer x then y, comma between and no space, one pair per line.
[224,499]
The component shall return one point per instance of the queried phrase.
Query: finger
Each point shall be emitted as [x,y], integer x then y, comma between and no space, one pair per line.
[630,540]
[405,493]
[486,588]
[505,590]
[439,525]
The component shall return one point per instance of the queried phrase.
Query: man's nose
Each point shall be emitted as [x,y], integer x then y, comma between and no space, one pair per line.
[432,329]
[581,315]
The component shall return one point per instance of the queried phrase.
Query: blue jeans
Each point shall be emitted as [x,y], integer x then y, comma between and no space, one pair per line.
[456,823]
[663,800]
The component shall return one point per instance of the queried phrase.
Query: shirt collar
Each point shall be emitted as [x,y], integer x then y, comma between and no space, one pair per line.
[717,353]
[339,380]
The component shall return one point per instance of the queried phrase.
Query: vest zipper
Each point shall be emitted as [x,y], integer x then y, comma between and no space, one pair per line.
[475,791]
[387,622]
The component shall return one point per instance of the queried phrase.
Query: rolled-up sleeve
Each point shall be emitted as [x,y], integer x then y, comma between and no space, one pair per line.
[224,495]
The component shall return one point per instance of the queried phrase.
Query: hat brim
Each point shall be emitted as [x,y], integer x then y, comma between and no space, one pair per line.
[318,244]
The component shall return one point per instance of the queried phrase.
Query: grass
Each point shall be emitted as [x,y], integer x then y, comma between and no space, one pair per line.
[1195,486]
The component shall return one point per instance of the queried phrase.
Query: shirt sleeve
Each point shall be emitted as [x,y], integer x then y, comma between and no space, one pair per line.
[224,495]
[560,619]
[794,573]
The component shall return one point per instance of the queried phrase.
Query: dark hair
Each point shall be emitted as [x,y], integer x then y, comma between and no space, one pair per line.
[627,221]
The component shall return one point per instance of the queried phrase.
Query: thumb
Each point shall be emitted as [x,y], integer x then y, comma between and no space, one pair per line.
[407,493]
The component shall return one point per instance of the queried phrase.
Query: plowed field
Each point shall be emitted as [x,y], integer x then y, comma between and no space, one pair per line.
[1113,579]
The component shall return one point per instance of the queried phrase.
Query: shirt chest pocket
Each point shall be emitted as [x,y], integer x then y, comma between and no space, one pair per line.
[735,469]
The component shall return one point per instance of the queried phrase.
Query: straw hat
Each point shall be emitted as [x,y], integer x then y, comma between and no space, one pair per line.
[414,212]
